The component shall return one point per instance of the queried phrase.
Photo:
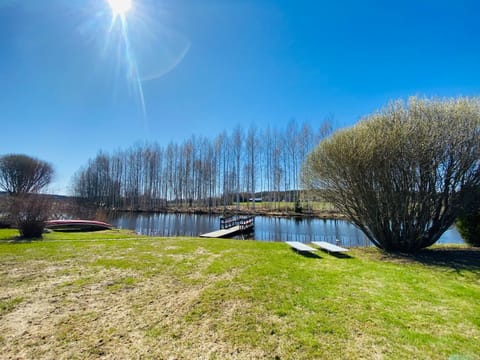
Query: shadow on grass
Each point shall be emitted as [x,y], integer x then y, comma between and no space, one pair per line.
[19,240]
[454,258]
[340,255]
[306,254]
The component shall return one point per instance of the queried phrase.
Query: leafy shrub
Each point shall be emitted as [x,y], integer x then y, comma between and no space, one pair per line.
[404,174]
[468,226]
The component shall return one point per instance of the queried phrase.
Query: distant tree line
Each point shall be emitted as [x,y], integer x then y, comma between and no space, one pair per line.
[201,172]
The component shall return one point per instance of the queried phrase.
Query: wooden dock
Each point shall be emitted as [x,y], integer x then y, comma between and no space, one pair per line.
[222,233]
[231,226]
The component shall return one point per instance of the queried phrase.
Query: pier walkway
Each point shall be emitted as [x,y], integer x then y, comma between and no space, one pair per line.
[232,225]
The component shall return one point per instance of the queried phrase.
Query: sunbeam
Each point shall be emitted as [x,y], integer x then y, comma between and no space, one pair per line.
[119,24]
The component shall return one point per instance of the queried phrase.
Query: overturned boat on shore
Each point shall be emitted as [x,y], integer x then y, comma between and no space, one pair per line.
[77,225]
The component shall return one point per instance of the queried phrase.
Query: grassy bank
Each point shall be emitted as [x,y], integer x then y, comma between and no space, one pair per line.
[317,209]
[117,295]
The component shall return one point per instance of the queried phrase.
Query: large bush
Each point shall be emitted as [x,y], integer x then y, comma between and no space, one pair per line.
[29,212]
[23,177]
[402,175]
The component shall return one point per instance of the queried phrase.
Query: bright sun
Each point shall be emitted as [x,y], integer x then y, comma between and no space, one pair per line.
[120,7]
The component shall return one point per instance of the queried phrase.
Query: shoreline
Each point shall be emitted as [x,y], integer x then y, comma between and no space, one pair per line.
[314,214]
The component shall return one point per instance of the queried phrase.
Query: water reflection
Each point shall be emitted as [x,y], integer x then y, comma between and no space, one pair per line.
[266,228]
[167,224]
[307,230]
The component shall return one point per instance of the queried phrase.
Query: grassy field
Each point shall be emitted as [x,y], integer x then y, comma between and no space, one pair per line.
[288,205]
[118,295]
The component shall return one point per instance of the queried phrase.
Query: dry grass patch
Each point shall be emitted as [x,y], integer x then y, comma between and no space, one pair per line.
[225,299]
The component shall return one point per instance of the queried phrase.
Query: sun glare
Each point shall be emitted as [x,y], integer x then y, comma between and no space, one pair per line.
[120,7]
[118,32]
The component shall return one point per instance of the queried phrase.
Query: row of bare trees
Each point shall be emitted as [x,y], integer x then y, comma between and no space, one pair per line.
[200,172]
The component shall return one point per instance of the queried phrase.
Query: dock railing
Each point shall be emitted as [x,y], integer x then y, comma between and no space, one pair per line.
[245,222]
[228,222]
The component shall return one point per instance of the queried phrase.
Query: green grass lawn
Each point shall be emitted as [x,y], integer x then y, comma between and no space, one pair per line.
[114,294]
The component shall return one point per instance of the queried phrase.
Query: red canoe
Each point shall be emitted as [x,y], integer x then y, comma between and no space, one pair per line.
[77,225]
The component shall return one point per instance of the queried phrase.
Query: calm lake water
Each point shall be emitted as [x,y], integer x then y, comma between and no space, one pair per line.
[266,228]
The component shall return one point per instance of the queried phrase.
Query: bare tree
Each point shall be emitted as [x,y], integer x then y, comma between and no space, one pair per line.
[20,174]
[23,177]
[237,146]
[251,146]
[402,175]
[29,212]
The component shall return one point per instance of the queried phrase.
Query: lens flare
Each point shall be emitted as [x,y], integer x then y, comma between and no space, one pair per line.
[138,45]
[119,30]
[120,7]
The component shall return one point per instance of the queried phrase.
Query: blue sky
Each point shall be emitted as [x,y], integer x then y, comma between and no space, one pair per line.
[70,85]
